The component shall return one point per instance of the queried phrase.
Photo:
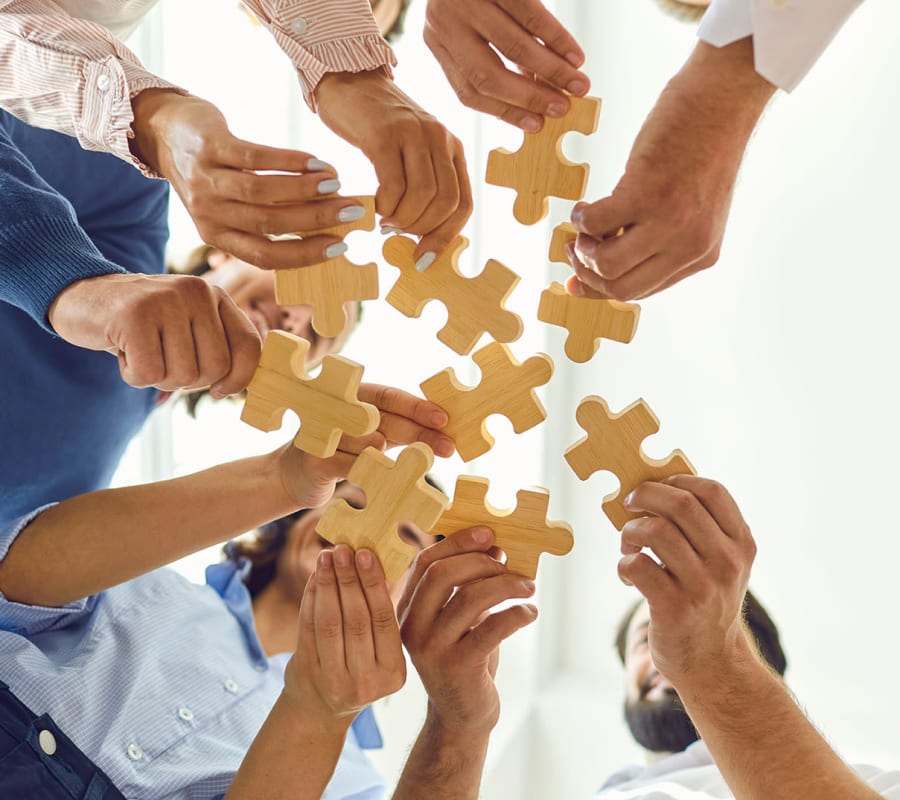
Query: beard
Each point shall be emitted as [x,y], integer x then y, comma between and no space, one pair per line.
[661,726]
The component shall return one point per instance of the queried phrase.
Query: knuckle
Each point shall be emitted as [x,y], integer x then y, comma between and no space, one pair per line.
[357,627]
[384,619]
[479,80]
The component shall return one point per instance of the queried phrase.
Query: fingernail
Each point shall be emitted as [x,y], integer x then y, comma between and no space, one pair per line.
[364,559]
[386,230]
[531,608]
[335,250]
[574,58]
[325,559]
[629,499]
[531,124]
[329,186]
[446,447]
[425,261]
[439,419]
[577,289]
[217,393]
[317,165]
[481,535]
[351,213]
[527,586]
[556,110]
[577,86]
[342,556]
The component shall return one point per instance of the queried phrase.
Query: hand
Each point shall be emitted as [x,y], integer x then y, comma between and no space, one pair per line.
[168,331]
[348,651]
[423,184]
[451,636]
[696,530]
[666,218]
[462,34]
[217,177]
[405,418]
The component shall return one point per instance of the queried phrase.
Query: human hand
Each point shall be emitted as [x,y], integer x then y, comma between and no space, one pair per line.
[168,331]
[348,650]
[449,632]
[697,531]
[465,37]
[666,217]
[423,183]
[219,179]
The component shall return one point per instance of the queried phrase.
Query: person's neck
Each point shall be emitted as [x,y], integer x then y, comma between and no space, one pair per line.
[275,616]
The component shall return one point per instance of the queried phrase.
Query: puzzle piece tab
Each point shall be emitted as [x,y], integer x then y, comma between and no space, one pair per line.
[327,286]
[327,404]
[523,533]
[506,387]
[474,305]
[539,168]
[613,443]
[396,492]
[587,320]
[562,234]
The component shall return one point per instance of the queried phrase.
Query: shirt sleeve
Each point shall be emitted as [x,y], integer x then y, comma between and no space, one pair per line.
[43,249]
[322,36]
[70,75]
[788,35]
[26,620]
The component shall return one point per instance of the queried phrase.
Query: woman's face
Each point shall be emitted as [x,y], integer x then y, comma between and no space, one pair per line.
[253,291]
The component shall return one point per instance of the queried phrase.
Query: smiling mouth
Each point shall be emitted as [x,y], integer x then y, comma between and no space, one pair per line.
[260,322]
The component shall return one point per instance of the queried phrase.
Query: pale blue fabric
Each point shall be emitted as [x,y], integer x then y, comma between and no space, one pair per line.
[160,681]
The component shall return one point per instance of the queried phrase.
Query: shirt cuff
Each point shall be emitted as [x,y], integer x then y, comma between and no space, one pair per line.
[726,21]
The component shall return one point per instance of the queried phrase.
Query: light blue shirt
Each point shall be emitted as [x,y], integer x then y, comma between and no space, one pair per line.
[163,683]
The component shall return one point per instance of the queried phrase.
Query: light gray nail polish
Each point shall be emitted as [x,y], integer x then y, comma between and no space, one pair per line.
[426,260]
[317,165]
[329,186]
[351,213]
[389,229]
[335,250]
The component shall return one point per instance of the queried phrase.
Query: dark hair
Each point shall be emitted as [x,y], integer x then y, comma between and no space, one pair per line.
[760,623]
[263,546]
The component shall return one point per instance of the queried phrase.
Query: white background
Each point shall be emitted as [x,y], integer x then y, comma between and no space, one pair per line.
[775,371]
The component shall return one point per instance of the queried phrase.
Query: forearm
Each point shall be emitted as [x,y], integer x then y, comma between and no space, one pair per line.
[443,765]
[761,740]
[97,540]
[293,756]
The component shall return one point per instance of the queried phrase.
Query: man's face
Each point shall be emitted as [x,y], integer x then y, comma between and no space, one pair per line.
[653,710]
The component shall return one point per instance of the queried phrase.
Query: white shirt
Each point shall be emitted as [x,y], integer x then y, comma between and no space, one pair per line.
[788,35]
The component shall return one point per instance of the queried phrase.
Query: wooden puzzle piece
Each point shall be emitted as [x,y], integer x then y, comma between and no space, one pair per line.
[539,168]
[613,443]
[523,533]
[562,234]
[587,320]
[327,404]
[506,387]
[327,286]
[396,492]
[474,305]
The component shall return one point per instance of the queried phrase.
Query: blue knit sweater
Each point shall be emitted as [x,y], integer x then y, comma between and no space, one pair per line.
[65,214]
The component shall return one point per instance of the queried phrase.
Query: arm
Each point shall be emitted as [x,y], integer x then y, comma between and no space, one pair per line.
[65,553]
[761,741]
[454,642]
[348,655]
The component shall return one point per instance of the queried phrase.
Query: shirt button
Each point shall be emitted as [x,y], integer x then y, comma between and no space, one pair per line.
[134,752]
[231,686]
[299,26]
[103,83]
[47,741]
[186,714]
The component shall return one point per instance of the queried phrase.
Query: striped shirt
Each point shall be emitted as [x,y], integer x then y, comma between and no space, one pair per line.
[63,65]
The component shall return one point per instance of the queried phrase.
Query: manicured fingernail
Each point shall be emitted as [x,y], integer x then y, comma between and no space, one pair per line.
[364,559]
[386,230]
[351,213]
[481,535]
[531,124]
[425,260]
[577,86]
[556,110]
[335,250]
[329,186]
[317,165]
[342,556]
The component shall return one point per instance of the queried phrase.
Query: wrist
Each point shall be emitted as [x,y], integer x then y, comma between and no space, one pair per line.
[454,732]
[334,84]
[723,675]
[310,719]
[149,109]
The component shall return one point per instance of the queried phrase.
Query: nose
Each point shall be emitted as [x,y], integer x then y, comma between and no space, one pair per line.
[297,320]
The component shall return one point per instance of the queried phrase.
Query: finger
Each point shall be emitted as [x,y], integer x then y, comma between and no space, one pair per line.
[179,354]
[652,581]
[390,400]
[472,600]
[243,344]
[645,279]
[438,240]
[421,187]
[717,501]
[282,254]
[541,24]
[244,155]
[267,189]
[329,627]
[276,220]
[352,446]
[306,644]
[605,217]
[669,544]
[141,360]
[391,175]
[359,647]
[704,263]
[614,256]
[210,342]
[488,635]
[385,629]
[400,430]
